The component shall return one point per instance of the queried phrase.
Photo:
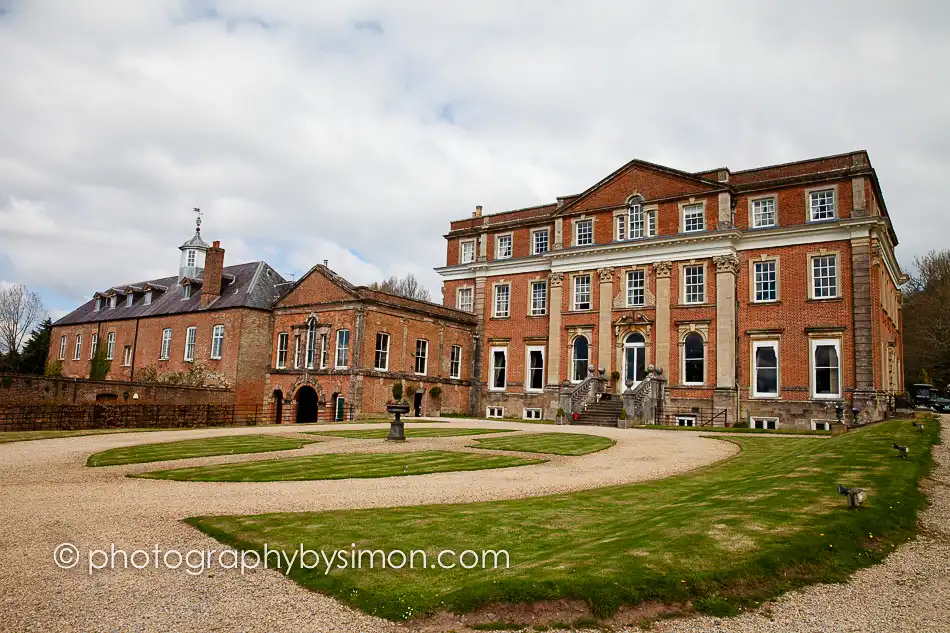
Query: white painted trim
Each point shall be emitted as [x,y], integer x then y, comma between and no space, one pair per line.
[812,344]
[527,367]
[774,343]
[491,368]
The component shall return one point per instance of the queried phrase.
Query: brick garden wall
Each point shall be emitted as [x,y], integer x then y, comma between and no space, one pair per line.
[18,389]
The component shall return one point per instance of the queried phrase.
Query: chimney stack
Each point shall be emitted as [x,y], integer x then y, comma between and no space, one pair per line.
[214,269]
[478,212]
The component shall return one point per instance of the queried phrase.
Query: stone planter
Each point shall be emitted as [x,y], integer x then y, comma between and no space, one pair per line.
[397,429]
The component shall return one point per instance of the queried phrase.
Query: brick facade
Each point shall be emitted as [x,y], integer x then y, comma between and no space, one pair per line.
[786,221]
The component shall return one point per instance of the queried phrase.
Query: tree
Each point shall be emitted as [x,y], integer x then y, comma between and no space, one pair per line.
[20,311]
[36,349]
[99,365]
[408,287]
[927,320]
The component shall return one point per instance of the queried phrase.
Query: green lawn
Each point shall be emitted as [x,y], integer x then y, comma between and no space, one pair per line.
[465,416]
[715,539]
[204,447]
[411,432]
[342,466]
[731,429]
[551,443]
[23,436]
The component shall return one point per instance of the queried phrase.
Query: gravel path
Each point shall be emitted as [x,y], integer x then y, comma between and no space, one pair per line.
[50,497]
[909,592]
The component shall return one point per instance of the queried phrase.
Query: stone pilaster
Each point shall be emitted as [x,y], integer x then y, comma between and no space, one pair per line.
[861,289]
[662,270]
[478,346]
[727,267]
[603,325]
[859,208]
[725,211]
[558,234]
[555,284]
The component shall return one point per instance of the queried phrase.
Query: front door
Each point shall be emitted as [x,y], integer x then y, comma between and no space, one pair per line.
[417,403]
[634,359]
[339,409]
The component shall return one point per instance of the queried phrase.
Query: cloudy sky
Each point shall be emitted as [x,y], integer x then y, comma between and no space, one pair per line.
[355,131]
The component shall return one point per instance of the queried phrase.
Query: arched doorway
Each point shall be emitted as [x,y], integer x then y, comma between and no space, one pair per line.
[307,404]
[278,406]
[580,354]
[634,358]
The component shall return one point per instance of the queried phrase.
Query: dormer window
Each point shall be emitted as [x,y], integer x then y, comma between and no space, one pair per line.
[112,302]
[128,300]
[190,258]
[186,292]
[98,303]
[148,297]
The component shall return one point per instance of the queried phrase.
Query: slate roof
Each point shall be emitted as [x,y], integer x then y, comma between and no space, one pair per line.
[250,285]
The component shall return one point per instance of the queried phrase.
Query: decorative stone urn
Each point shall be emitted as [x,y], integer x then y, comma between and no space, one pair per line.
[397,429]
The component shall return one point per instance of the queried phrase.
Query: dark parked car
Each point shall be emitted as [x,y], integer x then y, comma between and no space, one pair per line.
[926,396]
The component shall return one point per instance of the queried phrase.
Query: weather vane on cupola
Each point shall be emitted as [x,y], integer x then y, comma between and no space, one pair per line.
[197,220]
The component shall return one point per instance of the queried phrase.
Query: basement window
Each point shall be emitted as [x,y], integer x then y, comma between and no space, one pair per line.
[495,412]
[686,420]
[765,423]
[820,425]
[532,414]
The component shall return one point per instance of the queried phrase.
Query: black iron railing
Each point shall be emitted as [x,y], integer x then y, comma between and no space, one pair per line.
[692,416]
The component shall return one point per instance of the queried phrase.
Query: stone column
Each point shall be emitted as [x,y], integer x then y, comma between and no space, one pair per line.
[477,346]
[727,267]
[555,283]
[865,397]
[661,357]
[603,326]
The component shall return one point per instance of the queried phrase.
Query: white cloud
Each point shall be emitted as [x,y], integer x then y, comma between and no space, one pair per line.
[355,131]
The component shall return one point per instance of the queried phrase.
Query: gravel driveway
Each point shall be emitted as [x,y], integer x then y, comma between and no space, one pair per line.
[50,497]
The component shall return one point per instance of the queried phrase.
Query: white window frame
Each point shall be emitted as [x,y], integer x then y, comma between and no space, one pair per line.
[185,291]
[686,420]
[538,308]
[422,352]
[381,352]
[822,207]
[310,351]
[632,289]
[756,211]
[637,221]
[112,302]
[535,250]
[191,257]
[77,350]
[532,413]
[763,423]
[462,251]
[93,344]
[148,297]
[165,351]
[621,227]
[651,222]
[324,350]
[342,349]
[686,284]
[826,425]
[110,346]
[497,306]
[217,341]
[578,293]
[509,248]
[689,212]
[191,342]
[588,224]
[127,356]
[572,360]
[297,350]
[760,289]
[98,304]
[283,339]
[813,369]
[129,298]
[527,364]
[491,373]
[756,345]
[455,362]
[467,306]
[62,347]
[494,412]
[683,359]
[813,279]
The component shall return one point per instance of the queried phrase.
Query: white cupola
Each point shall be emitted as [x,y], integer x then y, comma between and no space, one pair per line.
[193,252]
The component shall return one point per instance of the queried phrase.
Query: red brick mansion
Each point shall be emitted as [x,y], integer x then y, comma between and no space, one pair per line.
[769,294]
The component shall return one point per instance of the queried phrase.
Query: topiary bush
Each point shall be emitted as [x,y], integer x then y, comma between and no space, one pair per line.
[435,391]
[397,392]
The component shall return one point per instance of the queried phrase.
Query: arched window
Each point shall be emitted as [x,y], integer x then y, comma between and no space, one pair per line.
[637,221]
[634,358]
[311,341]
[694,352]
[580,356]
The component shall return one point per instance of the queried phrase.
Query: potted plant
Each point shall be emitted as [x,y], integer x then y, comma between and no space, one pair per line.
[622,419]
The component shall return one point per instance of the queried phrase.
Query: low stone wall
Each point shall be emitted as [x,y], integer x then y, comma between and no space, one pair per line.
[20,389]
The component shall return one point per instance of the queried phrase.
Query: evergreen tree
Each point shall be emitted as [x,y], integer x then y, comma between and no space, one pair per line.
[36,350]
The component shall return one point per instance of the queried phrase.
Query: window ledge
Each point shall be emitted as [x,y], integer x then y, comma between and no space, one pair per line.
[824,299]
[777,302]
[537,316]
[499,318]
